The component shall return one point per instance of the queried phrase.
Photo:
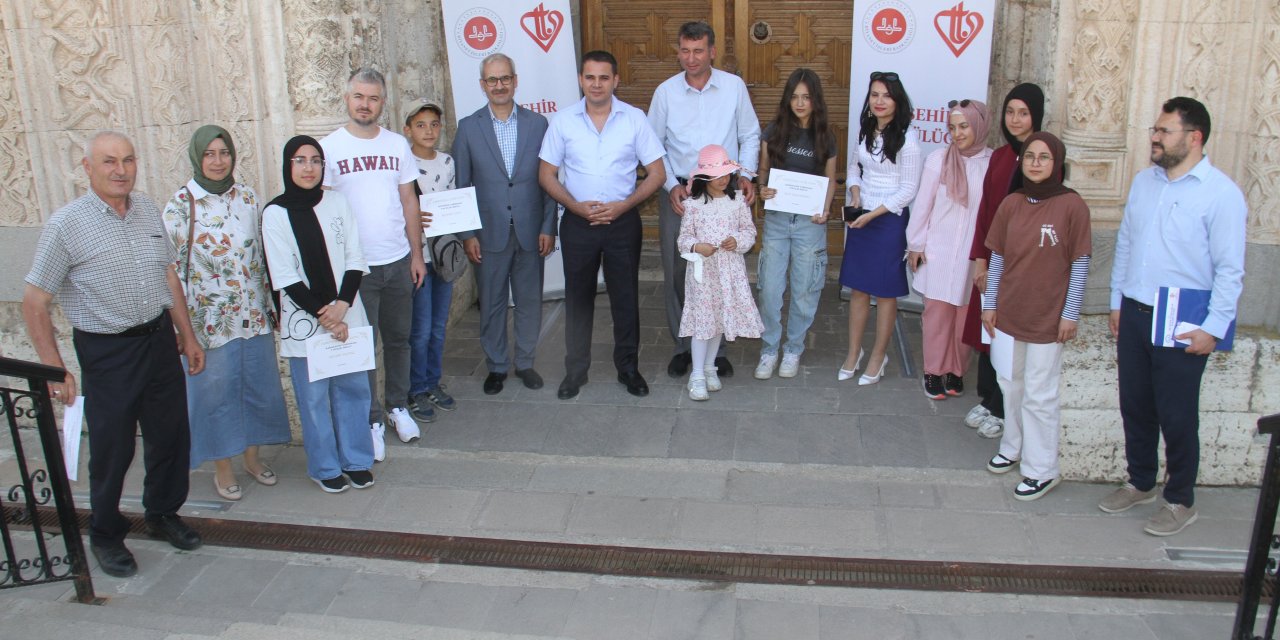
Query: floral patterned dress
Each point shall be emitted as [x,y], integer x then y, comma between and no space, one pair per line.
[722,302]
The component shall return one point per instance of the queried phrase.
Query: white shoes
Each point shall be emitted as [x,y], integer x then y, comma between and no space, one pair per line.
[764,370]
[379,445]
[869,379]
[697,389]
[991,427]
[406,428]
[845,374]
[790,365]
[713,379]
[975,416]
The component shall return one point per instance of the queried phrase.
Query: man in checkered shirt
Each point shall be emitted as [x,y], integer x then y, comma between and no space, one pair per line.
[107,258]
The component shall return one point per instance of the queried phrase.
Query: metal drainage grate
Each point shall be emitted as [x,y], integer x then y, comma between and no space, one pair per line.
[978,577]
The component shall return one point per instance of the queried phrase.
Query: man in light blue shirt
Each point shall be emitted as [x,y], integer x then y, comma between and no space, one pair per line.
[1183,226]
[690,110]
[599,142]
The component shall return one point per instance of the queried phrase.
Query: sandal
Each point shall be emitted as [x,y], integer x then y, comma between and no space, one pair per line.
[265,477]
[228,493]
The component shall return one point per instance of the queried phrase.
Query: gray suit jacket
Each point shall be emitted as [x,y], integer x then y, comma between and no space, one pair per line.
[504,199]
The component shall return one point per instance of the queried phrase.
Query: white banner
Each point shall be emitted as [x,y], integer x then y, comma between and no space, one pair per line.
[538,36]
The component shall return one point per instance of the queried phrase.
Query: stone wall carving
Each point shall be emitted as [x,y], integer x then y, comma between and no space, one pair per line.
[1262,179]
[316,60]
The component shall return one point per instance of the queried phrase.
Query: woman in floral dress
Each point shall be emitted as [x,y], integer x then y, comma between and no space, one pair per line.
[237,404]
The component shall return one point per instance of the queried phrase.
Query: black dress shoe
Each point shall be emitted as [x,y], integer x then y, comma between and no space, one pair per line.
[635,383]
[530,377]
[115,560]
[493,383]
[569,387]
[679,365]
[173,529]
[724,368]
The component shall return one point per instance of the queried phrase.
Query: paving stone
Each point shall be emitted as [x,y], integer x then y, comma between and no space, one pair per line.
[756,487]
[829,528]
[766,437]
[765,620]
[829,439]
[637,482]
[302,589]
[438,509]
[460,474]
[303,499]
[1111,626]
[231,582]
[739,394]
[948,533]
[694,615]
[451,604]
[375,596]
[996,626]
[952,445]
[904,494]
[636,518]
[607,613]
[717,522]
[530,610]
[847,623]
[820,400]
[176,579]
[709,435]
[610,431]
[893,441]
[963,497]
[525,511]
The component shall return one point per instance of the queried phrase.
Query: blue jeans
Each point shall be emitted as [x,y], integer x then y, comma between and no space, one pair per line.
[335,426]
[794,241]
[426,335]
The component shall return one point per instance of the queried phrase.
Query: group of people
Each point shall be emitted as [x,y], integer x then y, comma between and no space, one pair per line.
[998,247]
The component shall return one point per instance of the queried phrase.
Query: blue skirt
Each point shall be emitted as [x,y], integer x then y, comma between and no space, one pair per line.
[874,257]
[237,401]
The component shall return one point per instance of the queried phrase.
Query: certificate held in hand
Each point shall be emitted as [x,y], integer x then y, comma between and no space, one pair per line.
[798,193]
[326,357]
[451,211]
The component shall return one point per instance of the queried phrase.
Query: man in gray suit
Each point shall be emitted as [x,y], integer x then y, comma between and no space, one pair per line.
[496,151]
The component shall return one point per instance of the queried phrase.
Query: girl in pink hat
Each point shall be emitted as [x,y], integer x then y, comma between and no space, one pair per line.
[714,233]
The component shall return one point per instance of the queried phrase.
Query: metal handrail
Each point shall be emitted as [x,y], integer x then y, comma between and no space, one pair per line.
[1260,568]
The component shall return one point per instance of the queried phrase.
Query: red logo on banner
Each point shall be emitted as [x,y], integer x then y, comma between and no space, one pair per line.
[958,27]
[543,26]
[480,32]
[889,26]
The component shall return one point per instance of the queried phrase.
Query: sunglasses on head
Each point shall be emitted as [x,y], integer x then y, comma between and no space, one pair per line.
[884,75]
[962,103]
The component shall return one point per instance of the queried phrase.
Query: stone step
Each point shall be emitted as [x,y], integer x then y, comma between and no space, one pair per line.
[316,627]
[20,612]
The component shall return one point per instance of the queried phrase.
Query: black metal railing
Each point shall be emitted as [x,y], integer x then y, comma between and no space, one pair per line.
[1260,569]
[24,408]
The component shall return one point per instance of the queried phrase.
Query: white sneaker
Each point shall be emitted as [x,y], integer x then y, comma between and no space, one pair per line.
[764,370]
[713,379]
[406,428]
[379,445]
[975,416]
[991,427]
[697,389]
[790,365]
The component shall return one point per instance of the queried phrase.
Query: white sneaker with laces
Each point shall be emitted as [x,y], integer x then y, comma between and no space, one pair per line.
[790,365]
[991,427]
[975,416]
[379,445]
[764,370]
[698,389]
[713,379]
[406,428]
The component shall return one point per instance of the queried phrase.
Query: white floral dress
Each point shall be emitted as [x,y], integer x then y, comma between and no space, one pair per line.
[722,302]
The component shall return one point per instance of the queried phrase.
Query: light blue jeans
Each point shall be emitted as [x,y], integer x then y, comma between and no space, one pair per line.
[335,426]
[426,337]
[795,242]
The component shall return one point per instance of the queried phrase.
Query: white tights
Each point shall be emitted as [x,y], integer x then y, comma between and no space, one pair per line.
[704,355]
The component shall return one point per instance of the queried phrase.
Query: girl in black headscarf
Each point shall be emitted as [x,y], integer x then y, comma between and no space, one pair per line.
[311,242]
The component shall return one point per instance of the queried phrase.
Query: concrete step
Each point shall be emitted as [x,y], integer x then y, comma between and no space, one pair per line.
[315,627]
[151,623]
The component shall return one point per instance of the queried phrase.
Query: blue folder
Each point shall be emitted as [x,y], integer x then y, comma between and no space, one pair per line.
[1177,304]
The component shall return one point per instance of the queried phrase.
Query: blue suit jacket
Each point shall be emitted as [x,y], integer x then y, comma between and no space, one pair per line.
[504,199]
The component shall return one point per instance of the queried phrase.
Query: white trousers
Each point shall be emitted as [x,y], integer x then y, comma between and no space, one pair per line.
[1032,419]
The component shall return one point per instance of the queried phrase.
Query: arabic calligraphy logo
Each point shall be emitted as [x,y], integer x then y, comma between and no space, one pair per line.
[543,26]
[889,26]
[962,27]
[479,32]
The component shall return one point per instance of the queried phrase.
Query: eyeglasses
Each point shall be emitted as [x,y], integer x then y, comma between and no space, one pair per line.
[1040,160]
[225,154]
[302,161]
[964,104]
[884,75]
[493,81]
[1162,132]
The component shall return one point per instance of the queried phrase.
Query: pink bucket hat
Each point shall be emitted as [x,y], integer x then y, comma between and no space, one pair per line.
[713,162]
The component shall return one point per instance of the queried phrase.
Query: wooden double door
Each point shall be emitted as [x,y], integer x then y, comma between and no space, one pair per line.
[762,41]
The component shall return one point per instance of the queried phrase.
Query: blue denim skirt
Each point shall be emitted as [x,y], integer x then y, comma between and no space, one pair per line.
[237,401]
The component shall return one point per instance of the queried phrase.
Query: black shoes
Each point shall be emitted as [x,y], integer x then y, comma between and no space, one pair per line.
[360,479]
[172,528]
[493,383]
[635,384]
[724,368]
[115,559]
[530,378]
[569,387]
[933,387]
[679,365]
[954,385]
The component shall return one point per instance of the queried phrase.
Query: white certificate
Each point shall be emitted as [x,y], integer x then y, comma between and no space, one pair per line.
[798,193]
[72,423]
[326,357]
[451,211]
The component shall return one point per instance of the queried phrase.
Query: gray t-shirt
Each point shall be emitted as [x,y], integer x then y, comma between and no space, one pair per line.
[800,156]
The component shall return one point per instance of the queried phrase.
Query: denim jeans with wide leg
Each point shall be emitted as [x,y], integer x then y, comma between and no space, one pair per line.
[793,242]
[335,426]
[426,336]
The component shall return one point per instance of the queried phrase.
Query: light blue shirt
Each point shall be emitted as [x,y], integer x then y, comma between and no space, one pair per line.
[686,120]
[600,164]
[505,130]
[1186,233]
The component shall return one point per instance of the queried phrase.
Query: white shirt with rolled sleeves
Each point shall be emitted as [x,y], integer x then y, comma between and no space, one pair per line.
[686,120]
[1188,233]
[600,164]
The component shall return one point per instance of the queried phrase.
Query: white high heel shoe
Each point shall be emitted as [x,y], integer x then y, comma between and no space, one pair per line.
[868,380]
[845,374]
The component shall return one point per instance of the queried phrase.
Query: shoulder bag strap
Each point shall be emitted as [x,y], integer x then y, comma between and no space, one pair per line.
[191,237]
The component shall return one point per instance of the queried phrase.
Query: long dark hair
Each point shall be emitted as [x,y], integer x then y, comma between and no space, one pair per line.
[895,133]
[698,188]
[785,120]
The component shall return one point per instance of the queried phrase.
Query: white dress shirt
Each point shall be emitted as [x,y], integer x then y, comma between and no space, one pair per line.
[600,164]
[881,182]
[686,120]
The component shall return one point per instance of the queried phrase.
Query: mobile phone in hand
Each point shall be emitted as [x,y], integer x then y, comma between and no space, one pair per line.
[853,213]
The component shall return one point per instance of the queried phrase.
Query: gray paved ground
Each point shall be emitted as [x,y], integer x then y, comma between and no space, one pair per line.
[806,465]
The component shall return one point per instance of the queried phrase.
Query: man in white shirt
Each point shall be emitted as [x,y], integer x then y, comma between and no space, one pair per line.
[697,107]
[598,142]
[375,169]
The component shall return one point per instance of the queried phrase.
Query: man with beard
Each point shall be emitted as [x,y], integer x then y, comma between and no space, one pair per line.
[375,169]
[1183,226]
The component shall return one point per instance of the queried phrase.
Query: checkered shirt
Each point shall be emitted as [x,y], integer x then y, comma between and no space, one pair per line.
[109,273]
[506,132]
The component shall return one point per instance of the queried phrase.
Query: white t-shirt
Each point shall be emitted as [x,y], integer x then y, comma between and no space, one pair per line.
[284,260]
[369,173]
[436,174]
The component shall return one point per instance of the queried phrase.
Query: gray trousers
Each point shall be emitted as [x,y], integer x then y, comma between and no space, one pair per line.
[673,270]
[509,273]
[387,294]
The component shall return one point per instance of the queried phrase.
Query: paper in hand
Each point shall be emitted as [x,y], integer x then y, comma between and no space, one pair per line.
[72,424]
